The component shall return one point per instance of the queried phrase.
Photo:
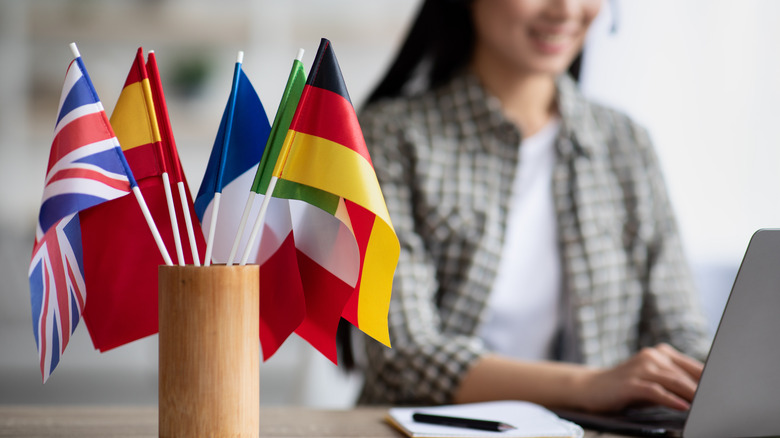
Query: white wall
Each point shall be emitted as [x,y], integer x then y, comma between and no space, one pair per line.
[702,75]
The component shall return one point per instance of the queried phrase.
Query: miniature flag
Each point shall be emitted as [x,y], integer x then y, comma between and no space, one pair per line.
[86,168]
[121,258]
[232,165]
[280,281]
[281,293]
[347,247]
[173,164]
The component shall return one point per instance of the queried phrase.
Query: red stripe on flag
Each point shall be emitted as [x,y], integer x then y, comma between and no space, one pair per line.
[76,291]
[143,161]
[362,224]
[138,71]
[326,295]
[329,115]
[82,131]
[90,175]
[58,270]
[282,305]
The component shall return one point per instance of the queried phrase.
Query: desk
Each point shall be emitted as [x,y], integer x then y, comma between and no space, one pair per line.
[135,421]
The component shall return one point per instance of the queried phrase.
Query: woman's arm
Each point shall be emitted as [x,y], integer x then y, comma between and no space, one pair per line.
[657,375]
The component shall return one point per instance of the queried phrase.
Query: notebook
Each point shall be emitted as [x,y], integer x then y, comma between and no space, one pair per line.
[739,389]
[530,420]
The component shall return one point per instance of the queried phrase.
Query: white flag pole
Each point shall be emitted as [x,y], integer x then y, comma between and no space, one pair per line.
[212,229]
[188,222]
[250,200]
[152,227]
[174,220]
[74,50]
[259,221]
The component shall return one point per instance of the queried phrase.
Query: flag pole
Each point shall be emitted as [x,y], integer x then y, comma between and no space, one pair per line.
[174,221]
[259,221]
[170,159]
[140,198]
[264,206]
[167,187]
[188,223]
[223,158]
[250,202]
[152,227]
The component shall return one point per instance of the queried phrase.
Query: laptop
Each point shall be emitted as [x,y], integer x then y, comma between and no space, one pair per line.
[739,391]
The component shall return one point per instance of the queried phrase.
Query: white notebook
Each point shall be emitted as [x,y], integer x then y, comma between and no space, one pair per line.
[530,420]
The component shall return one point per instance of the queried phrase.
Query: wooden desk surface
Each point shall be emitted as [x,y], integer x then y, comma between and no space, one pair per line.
[141,421]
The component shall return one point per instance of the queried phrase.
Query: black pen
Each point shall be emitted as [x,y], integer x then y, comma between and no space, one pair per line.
[469,423]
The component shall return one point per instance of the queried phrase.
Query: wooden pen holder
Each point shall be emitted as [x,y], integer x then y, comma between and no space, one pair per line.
[209,361]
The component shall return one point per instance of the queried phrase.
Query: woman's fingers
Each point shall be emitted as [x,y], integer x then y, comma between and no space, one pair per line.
[676,371]
[690,365]
[674,380]
[656,393]
[658,375]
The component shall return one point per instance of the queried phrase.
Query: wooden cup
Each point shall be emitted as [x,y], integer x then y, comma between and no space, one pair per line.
[209,362]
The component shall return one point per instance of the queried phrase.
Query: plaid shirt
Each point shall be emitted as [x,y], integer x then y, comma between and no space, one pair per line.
[446,161]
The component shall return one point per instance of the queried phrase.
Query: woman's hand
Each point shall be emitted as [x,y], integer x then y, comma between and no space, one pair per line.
[655,375]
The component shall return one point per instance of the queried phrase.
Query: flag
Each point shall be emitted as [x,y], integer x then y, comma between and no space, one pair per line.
[347,247]
[238,147]
[120,255]
[249,143]
[86,168]
[282,306]
[170,154]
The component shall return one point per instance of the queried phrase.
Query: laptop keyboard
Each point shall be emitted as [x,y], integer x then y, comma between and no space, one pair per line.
[658,416]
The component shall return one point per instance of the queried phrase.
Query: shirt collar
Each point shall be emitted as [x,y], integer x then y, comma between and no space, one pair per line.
[473,108]
[579,133]
[578,121]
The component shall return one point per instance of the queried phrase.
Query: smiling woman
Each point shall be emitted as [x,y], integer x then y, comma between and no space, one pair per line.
[524,45]
[540,259]
[535,37]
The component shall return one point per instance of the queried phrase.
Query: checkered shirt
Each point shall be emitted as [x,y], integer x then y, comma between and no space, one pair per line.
[446,161]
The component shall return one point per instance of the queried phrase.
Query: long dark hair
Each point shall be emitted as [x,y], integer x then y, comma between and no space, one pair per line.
[440,43]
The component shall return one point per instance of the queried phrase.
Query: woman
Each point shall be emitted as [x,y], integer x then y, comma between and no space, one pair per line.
[539,256]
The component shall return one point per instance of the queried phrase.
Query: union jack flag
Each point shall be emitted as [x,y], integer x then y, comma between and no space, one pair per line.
[86,167]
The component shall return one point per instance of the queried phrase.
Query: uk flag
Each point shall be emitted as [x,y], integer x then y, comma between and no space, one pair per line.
[86,167]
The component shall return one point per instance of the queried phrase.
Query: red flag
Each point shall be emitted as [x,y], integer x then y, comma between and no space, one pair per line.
[170,157]
[120,255]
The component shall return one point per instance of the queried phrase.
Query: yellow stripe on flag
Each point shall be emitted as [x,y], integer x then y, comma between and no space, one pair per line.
[329,166]
[134,120]
[376,281]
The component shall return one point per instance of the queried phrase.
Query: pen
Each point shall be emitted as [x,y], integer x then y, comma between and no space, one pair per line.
[469,423]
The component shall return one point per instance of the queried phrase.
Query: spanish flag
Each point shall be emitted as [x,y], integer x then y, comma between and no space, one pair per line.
[347,248]
[120,254]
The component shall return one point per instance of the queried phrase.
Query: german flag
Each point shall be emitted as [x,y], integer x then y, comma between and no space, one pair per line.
[347,266]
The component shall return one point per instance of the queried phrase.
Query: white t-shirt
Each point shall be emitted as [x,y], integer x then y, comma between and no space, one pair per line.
[522,313]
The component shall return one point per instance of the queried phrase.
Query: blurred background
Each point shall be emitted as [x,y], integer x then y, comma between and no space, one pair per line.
[702,75]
